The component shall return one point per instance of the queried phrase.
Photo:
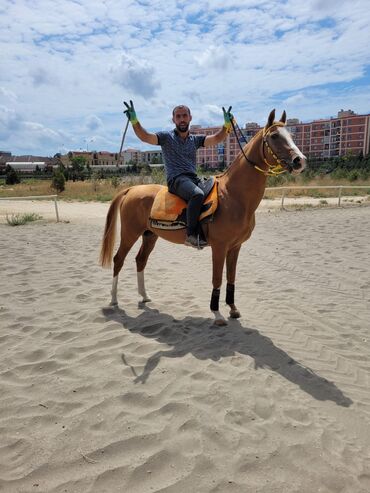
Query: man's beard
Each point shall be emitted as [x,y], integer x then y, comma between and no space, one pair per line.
[183,128]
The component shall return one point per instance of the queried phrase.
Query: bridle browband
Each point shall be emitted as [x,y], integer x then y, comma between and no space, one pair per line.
[281,166]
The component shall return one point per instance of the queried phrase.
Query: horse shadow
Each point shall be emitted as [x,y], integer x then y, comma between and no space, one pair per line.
[197,336]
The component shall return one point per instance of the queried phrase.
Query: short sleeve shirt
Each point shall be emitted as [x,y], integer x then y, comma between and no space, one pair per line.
[179,155]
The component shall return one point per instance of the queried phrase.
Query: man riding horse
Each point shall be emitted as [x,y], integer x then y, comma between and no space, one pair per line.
[179,154]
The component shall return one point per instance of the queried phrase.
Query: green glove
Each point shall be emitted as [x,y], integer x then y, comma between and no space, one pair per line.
[130,112]
[228,117]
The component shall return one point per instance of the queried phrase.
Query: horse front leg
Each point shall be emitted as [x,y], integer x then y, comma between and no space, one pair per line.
[149,240]
[231,261]
[218,261]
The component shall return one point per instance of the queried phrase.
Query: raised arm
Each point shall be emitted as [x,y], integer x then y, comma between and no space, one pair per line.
[212,140]
[143,135]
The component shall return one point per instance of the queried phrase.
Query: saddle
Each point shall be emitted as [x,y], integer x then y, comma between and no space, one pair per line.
[169,210]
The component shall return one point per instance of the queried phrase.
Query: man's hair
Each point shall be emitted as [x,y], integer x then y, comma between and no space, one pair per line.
[180,107]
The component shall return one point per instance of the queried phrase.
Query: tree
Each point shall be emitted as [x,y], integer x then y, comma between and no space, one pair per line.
[58,181]
[78,164]
[11,176]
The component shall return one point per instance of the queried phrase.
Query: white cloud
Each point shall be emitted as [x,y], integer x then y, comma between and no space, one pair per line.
[10,121]
[41,76]
[136,75]
[93,122]
[6,94]
[297,98]
[63,67]
[214,57]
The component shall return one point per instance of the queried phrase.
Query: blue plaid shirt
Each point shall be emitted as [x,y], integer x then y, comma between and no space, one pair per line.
[179,155]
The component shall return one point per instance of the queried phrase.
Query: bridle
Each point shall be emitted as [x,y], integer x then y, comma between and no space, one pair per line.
[280,166]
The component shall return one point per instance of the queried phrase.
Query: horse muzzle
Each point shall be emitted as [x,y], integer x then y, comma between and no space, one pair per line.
[297,165]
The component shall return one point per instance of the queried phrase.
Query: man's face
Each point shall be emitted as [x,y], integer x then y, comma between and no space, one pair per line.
[182,119]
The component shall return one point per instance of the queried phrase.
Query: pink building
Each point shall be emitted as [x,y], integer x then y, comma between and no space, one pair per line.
[348,133]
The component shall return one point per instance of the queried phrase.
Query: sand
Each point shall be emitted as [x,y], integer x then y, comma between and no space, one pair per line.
[153,398]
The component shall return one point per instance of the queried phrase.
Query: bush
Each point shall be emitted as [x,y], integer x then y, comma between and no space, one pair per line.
[115,181]
[339,174]
[58,181]
[20,219]
[11,176]
[158,176]
[353,175]
[276,181]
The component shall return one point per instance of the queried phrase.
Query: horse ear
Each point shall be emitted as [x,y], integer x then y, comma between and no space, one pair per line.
[283,117]
[271,118]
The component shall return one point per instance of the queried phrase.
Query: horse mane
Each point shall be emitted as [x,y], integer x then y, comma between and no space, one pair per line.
[240,155]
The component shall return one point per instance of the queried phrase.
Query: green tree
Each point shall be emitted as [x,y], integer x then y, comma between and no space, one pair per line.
[11,176]
[58,181]
[78,164]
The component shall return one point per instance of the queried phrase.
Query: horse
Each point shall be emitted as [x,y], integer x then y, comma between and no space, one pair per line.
[240,190]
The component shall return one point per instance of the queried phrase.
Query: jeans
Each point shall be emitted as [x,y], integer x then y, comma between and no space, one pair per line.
[186,187]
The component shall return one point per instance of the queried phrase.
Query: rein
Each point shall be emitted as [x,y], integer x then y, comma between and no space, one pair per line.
[272,169]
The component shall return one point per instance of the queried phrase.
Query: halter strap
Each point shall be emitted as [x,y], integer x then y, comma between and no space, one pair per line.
[272,169]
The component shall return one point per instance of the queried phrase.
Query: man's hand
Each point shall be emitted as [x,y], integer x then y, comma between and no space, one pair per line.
[228,117]
[130,112]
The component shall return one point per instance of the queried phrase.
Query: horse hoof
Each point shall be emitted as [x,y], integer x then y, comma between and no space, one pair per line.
[235,314]
[146,300]
[220,322]
[113,303]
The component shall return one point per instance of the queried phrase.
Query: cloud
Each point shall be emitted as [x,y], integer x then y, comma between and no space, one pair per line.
[10,122]
[136,75]
[70,68]
[15,129]
[7,94]
[214,57]
[93,122]
[296,98]
[40,76]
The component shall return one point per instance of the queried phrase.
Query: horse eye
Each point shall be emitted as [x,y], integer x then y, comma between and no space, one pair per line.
[274,136]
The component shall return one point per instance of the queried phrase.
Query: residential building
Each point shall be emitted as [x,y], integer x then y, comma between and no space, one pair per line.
[151,157]
[93,158]
[348,133]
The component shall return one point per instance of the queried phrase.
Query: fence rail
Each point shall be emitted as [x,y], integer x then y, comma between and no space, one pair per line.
[38,197]
[308,187]
[54,198]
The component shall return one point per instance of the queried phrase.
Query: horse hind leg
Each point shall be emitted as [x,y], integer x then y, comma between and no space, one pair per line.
[231,261]
[149,241]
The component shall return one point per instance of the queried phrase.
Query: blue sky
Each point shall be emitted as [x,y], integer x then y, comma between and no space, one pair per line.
[67,66]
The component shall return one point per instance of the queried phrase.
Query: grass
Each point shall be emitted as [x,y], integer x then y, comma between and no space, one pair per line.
[21,219]
[103,190]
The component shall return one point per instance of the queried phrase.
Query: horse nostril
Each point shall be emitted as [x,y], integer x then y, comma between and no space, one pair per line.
[296,162]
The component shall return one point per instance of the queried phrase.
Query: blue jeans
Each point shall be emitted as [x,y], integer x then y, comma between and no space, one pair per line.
[186,187]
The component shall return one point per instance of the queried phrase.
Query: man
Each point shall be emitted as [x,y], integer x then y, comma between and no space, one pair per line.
[179,154]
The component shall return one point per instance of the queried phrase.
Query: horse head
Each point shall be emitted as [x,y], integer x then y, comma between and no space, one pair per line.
[279,148]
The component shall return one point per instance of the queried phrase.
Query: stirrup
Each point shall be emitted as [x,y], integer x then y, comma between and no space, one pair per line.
[195,242]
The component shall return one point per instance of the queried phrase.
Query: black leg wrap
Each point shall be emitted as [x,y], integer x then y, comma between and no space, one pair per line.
[230,290]
[215,300]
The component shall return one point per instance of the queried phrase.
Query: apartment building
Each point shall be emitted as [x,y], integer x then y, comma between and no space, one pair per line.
[105,158]
[348,133]
[101,158]
[225,152]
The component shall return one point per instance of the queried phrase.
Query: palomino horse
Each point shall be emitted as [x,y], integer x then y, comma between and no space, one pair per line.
[240,190]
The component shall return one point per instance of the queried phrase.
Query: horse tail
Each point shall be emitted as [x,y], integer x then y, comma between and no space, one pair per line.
[106,252]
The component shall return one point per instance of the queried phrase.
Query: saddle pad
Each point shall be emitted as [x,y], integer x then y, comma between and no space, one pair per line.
[168,207]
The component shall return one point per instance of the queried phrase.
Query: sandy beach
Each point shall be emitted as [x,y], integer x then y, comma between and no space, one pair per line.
[153,398]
